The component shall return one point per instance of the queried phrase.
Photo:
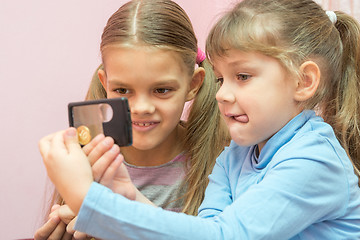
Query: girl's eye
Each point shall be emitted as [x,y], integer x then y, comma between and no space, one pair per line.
[122,90]
[162,90]
[219,80]
[243,77]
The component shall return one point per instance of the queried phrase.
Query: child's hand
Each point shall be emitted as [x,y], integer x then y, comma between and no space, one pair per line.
[60,225]
[69,218]
[67,166]
[54,228]
[107,166]
[116,177]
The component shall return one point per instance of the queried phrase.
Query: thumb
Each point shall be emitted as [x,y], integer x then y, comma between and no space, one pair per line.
[71,140]
[66,214]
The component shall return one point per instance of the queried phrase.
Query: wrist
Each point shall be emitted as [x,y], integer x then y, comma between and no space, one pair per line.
[74,197]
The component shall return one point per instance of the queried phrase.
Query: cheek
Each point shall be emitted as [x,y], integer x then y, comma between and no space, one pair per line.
[180,113]
[110,94]
[221,108]
[175,110]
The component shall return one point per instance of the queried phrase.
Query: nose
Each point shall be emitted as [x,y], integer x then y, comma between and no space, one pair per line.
[225,93]
[141,105]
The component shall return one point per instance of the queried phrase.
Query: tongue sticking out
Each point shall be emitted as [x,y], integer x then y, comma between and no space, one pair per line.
[242,118]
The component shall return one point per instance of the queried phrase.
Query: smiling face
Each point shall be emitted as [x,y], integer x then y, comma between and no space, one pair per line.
[256,96]
[156,83]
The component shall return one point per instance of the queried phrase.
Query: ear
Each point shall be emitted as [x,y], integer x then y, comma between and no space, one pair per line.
[309,82]
[102,77]
[196,82]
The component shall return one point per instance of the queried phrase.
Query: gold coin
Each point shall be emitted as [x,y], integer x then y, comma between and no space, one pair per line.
[84,135]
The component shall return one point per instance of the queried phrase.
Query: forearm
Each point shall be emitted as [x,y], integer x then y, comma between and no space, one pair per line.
[75,196]
[133,220]
[67,166]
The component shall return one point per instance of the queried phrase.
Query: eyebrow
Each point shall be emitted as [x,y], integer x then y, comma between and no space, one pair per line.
[116,82]
[160,82]
[235,63]
[166,82]
[243,63]
[239,62]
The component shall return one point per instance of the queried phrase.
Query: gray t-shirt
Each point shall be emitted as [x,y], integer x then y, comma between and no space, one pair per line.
[161,184]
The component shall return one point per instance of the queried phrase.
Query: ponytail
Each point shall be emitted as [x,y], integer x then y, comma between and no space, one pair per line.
[206,136]
[346,121]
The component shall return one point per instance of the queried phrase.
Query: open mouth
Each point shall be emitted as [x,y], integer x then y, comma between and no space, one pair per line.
[143,124]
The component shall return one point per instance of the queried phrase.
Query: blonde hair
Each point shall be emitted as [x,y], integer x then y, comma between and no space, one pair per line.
[294,31]
[96,90]
[164,24]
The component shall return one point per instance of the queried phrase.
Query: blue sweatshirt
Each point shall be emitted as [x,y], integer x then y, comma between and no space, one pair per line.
[301,186]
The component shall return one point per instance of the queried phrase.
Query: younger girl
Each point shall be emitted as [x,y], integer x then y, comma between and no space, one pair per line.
[149,51]
[287,174]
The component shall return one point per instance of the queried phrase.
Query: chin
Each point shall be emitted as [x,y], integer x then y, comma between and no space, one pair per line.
[242,141]
[143,146]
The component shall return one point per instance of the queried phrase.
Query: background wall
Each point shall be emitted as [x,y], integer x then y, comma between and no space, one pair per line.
[349,6]
[48,52]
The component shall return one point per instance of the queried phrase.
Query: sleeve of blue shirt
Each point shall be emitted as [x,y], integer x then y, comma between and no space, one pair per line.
[293,194]
[106,215]
[218,190]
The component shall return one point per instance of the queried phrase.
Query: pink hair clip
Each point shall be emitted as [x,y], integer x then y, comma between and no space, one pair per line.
[200,56]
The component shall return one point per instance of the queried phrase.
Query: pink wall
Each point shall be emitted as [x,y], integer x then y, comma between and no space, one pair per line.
[49,50]
[349,6]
